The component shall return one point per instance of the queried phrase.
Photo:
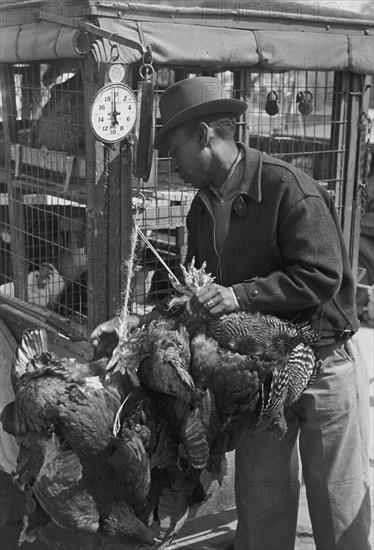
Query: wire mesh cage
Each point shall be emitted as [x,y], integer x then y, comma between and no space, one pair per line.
[43,191]
[299,116]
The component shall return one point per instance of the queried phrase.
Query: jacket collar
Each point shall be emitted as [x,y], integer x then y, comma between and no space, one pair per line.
[250,184]
[251,181]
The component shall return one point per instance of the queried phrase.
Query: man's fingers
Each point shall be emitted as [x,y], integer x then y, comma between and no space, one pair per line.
[104,328]
[214,298]
[95,335]
[203,291]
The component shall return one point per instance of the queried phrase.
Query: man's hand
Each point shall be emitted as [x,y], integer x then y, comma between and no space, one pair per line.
[105,336]
[216,299]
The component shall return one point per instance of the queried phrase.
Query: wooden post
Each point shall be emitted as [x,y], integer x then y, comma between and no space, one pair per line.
[351,180]
[95,202]
[181,239]
[114,244]
[9,100]
[361,152]
[238,81]
[16,207]
[31,90]
[246,93]
[337,138]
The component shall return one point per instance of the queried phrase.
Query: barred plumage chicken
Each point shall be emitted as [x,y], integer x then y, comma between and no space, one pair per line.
[251,393]
[255,364]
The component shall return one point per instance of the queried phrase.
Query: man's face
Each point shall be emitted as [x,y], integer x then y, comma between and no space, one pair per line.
[188,158]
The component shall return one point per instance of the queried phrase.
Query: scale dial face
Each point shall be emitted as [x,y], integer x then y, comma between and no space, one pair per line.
[113,113]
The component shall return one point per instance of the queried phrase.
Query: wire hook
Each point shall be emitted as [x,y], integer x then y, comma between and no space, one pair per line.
[113,48]
[148,71]
[110,38]
[147,56]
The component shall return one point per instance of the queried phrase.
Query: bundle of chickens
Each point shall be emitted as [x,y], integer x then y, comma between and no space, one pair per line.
[116,451]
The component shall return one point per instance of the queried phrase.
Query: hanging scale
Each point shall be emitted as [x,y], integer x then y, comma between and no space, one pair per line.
[113,109]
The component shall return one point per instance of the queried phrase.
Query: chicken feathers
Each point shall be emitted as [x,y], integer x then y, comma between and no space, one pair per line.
[165,368]
[255,364]
[63,418]
[97,461]
[115,449]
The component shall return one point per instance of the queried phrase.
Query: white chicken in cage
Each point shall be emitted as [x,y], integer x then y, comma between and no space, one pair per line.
[43,286]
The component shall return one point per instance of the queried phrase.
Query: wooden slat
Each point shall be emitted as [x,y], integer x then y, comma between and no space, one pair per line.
[76,192]
[165,216]
[56,161]
[41,316]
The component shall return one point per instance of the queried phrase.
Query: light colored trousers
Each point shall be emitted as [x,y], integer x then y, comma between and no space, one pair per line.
[330,422]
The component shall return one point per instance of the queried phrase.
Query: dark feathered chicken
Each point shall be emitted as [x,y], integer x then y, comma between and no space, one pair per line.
[87,452]
[158,359]
[115,450]
[165,366]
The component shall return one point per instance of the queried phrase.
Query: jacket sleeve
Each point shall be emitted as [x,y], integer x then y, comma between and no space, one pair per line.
[312,258]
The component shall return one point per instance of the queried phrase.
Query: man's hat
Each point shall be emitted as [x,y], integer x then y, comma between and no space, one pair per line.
[193,98]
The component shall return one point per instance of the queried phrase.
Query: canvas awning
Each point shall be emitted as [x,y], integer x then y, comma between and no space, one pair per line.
[278,50]
[41,40]
[277,35]
[32,30]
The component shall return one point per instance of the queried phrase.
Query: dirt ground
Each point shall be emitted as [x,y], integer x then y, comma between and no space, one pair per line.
[212,531]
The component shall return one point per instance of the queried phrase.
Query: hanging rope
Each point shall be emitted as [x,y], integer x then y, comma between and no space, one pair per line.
[155,252]
[129,270]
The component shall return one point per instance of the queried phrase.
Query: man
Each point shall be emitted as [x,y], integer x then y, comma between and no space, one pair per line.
[270,236]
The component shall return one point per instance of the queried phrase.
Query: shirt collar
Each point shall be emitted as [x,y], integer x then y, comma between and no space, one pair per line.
[233,180]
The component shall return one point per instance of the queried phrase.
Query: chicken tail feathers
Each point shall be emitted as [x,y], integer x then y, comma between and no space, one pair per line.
[32,354]
[194,438]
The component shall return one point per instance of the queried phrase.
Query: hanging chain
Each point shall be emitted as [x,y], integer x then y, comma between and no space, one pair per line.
[106,174]
[146,70]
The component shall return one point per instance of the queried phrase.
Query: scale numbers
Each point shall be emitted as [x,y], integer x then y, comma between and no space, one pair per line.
[113,113]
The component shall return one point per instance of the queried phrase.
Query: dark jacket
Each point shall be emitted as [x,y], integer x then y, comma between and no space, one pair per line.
[284,253]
